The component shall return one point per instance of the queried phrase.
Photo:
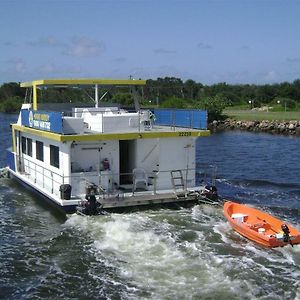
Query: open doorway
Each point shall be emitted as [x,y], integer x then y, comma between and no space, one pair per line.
[127,158]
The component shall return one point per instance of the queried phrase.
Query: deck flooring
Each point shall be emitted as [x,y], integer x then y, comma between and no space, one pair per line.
[146,199]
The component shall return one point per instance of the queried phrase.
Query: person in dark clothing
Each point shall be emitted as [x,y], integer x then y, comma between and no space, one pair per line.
[91,204]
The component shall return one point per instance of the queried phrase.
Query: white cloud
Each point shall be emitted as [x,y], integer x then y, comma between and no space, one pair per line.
[76,46]
[54,69]
[16,65]
[170,71]
[271,76]
[84,47]
[48,41]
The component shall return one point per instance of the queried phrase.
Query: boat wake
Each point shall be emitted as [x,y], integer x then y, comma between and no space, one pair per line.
[188,253]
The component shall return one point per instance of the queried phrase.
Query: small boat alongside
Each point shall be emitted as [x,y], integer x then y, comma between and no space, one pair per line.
[259,226]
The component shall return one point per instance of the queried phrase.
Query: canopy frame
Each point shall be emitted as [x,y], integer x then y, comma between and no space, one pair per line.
[78,82]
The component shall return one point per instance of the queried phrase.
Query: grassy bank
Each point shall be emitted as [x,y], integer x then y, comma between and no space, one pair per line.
[261,115]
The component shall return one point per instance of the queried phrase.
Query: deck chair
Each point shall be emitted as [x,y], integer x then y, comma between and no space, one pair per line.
[140,179]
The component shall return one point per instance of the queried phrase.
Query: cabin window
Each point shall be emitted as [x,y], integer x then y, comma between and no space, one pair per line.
[23,144]
[39,150]
[54,156]
[27,146]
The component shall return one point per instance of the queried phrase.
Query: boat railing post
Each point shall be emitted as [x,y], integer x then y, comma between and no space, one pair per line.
[102,121]
[139,121]
[43,177]
[96,96]
[34,172]
[51,181]
[154,182]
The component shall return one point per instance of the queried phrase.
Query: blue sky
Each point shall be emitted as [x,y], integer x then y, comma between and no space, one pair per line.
[207,41]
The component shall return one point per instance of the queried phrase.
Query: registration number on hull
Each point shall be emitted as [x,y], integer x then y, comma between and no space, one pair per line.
[185,133]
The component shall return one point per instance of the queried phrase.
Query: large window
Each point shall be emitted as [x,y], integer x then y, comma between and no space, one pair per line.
[39,150]
[54,156]
[27,146]
[24,145]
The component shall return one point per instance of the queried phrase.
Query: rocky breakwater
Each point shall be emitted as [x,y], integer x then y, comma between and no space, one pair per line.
[274,127]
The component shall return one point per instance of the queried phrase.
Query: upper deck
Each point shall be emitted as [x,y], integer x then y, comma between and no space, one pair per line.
[100,123]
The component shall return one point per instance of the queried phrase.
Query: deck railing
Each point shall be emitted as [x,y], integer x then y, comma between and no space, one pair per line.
[146,120]
[38,174]
[106,182]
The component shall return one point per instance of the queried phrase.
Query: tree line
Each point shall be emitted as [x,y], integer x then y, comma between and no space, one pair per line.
[168,92]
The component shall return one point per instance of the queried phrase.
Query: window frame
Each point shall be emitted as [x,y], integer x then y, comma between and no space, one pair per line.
[39,150]
[29,147]
[24,144]
[54,156]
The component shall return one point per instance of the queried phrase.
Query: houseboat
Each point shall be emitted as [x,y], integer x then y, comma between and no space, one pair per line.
[93,159]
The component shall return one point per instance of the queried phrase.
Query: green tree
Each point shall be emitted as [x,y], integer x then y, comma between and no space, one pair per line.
[11,105]
[214,106]
[286,103]
[191,88]
[11,89]
[123,99]
[173,103]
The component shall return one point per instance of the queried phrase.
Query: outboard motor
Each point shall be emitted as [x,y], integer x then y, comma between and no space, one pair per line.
[286,233]
[210,192]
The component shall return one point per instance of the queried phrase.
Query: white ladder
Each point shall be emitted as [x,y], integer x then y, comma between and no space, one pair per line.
[178,182]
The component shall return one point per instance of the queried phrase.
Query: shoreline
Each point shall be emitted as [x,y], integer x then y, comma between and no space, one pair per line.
[272,127]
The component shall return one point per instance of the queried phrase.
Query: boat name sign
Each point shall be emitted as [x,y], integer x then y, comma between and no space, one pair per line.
[43,120]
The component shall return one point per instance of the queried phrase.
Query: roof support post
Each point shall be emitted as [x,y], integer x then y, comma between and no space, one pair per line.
[96,96]
[34,97]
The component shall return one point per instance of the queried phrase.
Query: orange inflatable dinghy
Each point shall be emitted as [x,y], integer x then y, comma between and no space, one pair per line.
[260,227]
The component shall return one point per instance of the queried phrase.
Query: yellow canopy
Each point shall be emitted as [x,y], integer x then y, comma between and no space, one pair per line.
[74,82]
[77,82]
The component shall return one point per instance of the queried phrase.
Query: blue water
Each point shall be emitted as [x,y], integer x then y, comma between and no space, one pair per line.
[158,254]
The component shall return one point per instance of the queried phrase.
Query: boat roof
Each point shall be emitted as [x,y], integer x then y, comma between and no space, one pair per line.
[76,82]
[35,84]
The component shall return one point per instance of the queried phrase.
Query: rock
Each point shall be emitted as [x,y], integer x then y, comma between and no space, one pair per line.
[274,127]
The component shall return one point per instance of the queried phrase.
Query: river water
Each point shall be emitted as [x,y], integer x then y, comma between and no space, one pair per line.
[188,253]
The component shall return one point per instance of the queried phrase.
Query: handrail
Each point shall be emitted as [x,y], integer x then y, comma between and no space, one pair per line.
[31,169]
[52,180]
